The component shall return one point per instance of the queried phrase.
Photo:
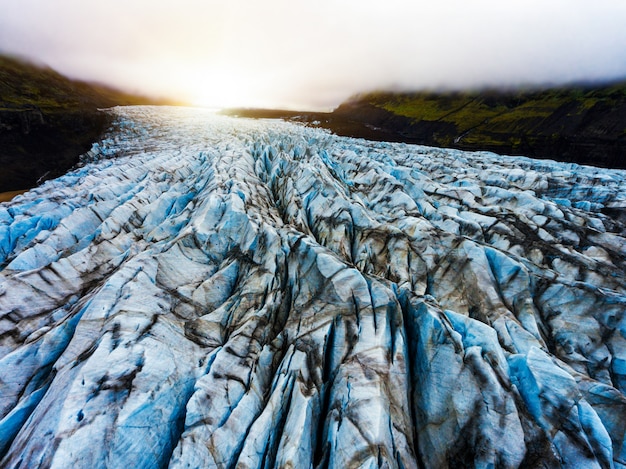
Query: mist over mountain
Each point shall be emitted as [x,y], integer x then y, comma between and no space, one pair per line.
[314,55]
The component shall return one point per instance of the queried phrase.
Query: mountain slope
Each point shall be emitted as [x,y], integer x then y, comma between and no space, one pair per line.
[47,121]
[577,124]
[217,292]
[584,125]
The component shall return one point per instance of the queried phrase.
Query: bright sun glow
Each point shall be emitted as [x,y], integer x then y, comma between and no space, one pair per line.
[221,88]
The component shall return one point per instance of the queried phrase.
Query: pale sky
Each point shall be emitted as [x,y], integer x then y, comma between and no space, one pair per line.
[315,54]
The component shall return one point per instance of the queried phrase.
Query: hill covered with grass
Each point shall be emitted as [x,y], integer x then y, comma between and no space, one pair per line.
[582,124]
[48,120]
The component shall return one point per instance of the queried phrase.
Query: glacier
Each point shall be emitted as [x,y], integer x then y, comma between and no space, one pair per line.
[205,291]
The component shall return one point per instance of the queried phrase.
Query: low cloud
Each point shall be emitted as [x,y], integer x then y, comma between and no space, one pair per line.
[315,54]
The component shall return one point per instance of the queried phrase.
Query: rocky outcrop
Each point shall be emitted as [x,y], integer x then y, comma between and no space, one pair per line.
[215,292]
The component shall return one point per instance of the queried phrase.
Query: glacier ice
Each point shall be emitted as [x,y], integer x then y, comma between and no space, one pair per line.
[212,292]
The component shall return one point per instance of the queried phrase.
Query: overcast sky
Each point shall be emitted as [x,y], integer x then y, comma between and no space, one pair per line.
[316,53]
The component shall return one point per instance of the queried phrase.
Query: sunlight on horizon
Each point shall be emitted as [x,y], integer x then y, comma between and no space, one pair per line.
[315,55]
[218,84]
[208,88]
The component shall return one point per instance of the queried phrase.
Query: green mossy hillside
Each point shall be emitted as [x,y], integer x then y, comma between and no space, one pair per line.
[26,85]
[585,124]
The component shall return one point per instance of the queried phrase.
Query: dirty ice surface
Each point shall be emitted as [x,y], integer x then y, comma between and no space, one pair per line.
[213,292]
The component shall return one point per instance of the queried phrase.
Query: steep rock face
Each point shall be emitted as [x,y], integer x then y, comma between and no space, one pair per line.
[212,292]
[36,145]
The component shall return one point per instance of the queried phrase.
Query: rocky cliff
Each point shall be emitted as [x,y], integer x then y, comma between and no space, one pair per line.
[212,292]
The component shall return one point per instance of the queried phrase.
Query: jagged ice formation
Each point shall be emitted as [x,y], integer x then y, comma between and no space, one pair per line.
[212,292]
